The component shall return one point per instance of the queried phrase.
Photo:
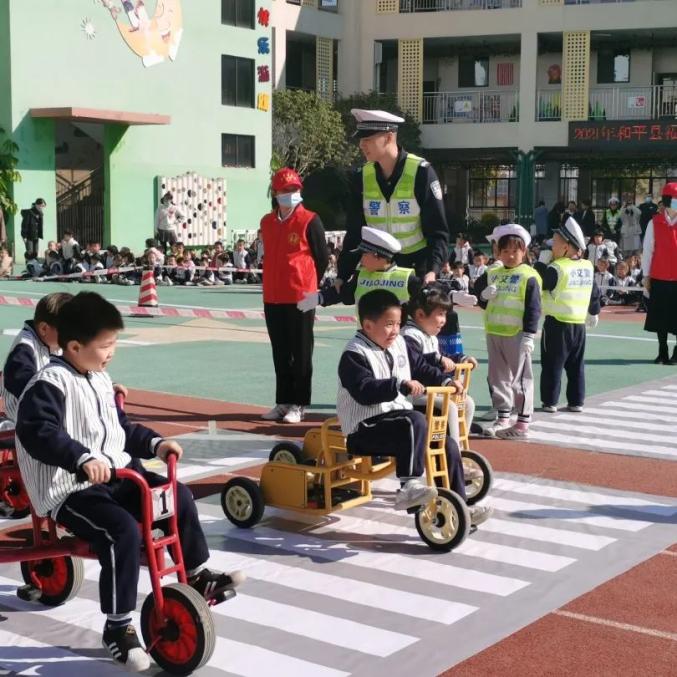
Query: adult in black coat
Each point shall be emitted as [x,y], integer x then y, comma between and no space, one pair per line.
[31,225]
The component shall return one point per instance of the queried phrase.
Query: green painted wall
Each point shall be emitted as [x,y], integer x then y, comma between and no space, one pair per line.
[54,64]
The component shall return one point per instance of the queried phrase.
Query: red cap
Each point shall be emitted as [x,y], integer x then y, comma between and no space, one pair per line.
[286,178]
[670,190]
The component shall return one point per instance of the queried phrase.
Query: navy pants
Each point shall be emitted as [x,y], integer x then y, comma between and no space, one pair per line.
[107,516]
[403,434]
[562,349]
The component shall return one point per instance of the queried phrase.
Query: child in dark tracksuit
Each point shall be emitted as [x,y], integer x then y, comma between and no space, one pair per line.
[376,374]
[69,428]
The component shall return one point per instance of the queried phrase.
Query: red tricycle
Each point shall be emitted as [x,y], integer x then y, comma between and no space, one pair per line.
[14,501]
[176,622]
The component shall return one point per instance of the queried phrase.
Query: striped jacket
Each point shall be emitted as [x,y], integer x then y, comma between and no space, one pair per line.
[64,419]
[426,345]
[27,356]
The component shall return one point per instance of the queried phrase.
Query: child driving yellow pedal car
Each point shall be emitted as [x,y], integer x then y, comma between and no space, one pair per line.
[376,375]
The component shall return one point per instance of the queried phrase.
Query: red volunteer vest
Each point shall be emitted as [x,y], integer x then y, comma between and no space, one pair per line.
[664,260]
[288,263]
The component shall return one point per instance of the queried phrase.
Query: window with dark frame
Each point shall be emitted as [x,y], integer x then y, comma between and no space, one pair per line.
[237,81]
[473,71]
[493,187]
[613,66]
[240,13]
[237,150]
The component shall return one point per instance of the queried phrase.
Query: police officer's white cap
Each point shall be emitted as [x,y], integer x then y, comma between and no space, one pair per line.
[572,233]
[512,229]
[378,242]
[371,122]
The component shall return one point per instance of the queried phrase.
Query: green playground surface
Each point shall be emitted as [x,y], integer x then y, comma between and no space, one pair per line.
[230,360]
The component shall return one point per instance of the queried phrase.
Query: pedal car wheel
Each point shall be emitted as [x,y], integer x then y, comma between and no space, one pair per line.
[242,502]
[59,578]
[286,452]
[185,640]
[445,523]
[476,489]
[13,494]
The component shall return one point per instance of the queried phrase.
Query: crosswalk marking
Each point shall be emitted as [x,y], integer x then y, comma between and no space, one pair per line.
[602,444]
[595,430]
[471,548]
[623,415]
[573,423]
[595,499]
[649,399]
[568,515]
[663,393]
[638,407]
[443,574]
[297,620]
[235,657]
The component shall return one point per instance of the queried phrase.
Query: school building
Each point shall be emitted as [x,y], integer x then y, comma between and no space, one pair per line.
[112,102]
[519,100]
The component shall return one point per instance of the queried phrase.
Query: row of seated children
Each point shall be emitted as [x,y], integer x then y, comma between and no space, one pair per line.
[62,431]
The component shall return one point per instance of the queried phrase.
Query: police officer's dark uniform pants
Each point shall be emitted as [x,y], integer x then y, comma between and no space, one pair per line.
[562,348]
[107,516]
[403,434]
[291,336]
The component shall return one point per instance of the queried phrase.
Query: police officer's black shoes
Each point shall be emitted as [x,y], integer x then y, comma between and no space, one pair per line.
[664,358]
[215,585]
[122,643]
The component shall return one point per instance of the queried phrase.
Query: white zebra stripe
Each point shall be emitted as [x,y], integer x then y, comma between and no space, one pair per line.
[669,387]
[350,590]
[570,516]
[573,420]
[639,407]
[593,498]
[299,621]
[663,393]
[624,414]
[533,532]
[600,443]
[235,657]
[471,548]
[442,574]
[568,427]
[649,399]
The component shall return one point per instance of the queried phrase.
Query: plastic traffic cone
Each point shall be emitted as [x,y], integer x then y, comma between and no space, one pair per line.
[148,290]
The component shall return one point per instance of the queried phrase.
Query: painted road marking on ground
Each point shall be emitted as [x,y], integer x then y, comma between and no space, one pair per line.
[615,624]
[345,594]
[639,423]
[672,553]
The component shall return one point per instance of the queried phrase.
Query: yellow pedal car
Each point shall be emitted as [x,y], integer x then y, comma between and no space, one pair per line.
[321,478]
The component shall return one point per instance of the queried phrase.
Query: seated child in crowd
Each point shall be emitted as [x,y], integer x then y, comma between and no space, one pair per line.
[67,423]
[459,276]
[376,375]
[477,269]
[513,309]
[626,289]
[427,314]
[604,280]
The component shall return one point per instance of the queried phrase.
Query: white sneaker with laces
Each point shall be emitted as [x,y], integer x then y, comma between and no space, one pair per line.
[276,413]
[294,414]
[122,643]
[414,492]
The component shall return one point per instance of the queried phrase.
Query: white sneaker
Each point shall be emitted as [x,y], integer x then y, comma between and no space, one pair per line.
[414,492]
[124,647]
[549,408]
[276,413]
[294,414]
[501,424]
[490,416]
[480,513]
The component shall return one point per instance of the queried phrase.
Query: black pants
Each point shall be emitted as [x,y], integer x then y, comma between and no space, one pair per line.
[32,245]
[562,348]
[106,516]
[291,336]
[403,434]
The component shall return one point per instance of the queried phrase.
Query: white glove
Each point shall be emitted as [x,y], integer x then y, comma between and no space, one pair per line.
[591,321]
[527,345]
[310,300]
[462,298]
[490,292]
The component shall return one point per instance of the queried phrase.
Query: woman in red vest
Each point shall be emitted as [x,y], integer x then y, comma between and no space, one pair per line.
[296,257]
[659,268]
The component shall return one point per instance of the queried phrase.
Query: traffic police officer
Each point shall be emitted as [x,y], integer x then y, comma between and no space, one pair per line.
[396,192]
[569,295]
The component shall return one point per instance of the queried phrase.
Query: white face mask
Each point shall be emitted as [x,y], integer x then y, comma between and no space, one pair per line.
[673,203]
[289,199]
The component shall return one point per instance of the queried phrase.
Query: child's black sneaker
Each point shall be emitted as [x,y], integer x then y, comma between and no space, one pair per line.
[122,643]
[211,584]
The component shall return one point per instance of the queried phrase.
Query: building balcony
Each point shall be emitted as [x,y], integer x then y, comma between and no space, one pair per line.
[483,106]
[630,102]
[411,6]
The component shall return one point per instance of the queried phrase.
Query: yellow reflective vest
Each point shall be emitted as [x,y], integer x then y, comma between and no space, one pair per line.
[394,280]
[504,315]
[401,215]
[569,300]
